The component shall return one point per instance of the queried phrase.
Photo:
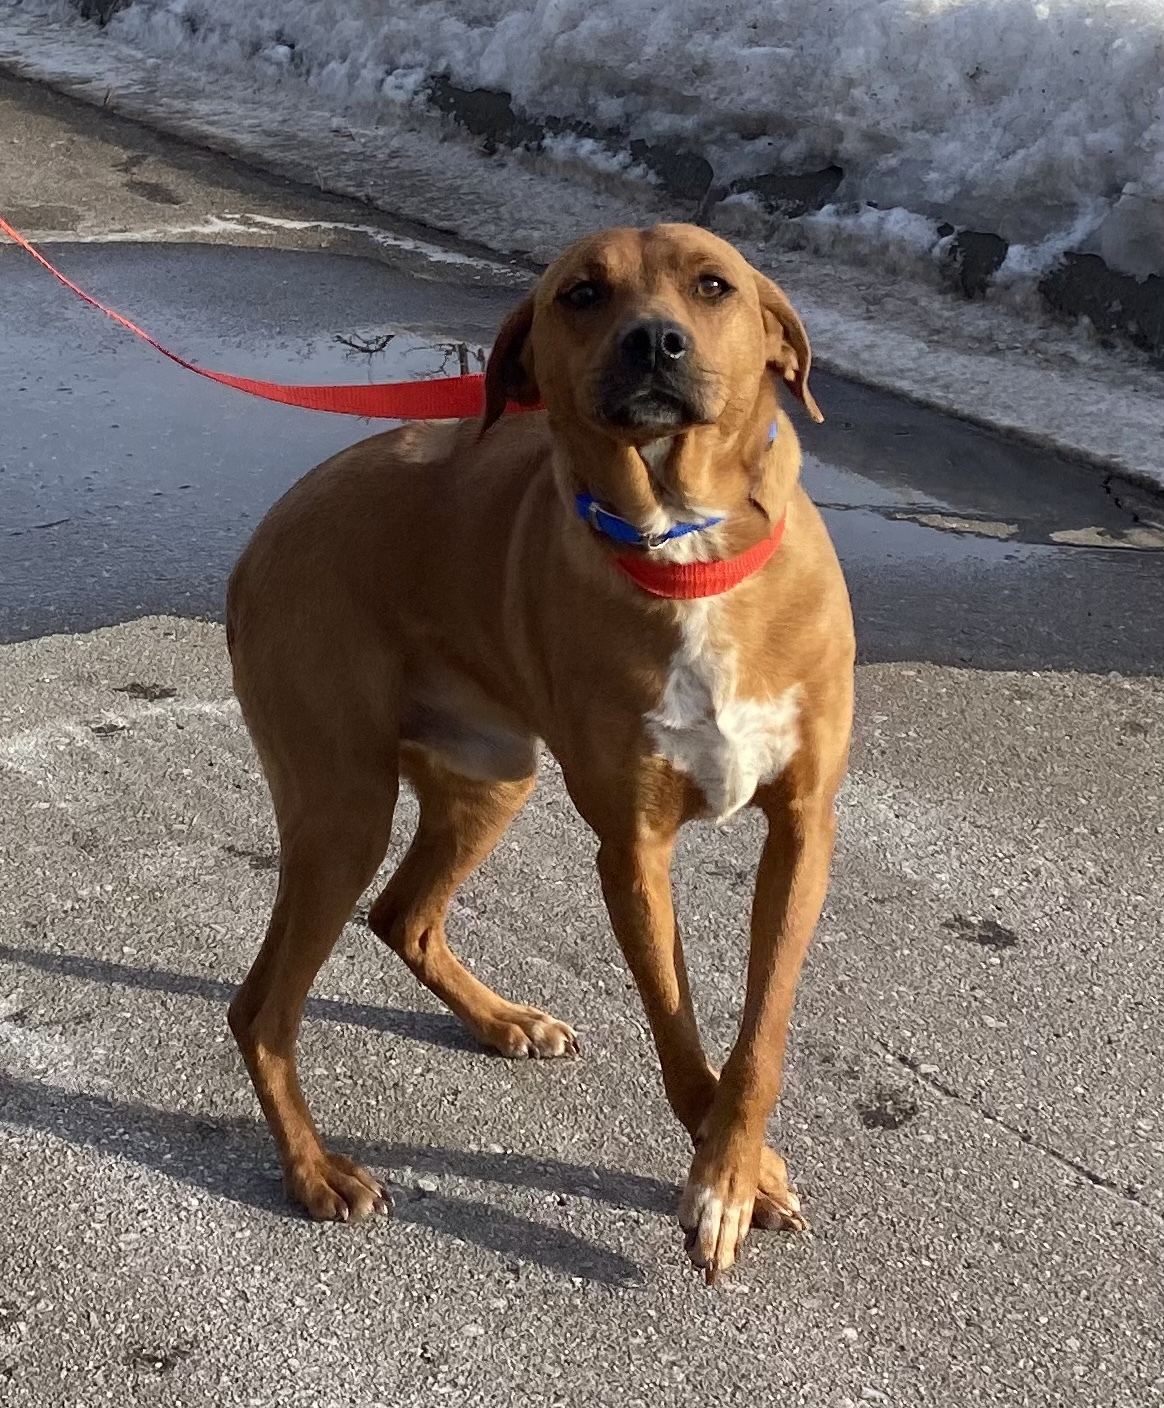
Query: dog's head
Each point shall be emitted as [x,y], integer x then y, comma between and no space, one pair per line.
[644,335]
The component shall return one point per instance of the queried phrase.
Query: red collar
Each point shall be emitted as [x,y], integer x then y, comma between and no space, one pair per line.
[687,581]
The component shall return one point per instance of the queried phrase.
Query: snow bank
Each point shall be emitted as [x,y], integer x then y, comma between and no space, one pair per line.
[1042,122]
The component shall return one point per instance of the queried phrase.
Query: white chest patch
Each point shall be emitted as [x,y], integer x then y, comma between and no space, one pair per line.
[727,745]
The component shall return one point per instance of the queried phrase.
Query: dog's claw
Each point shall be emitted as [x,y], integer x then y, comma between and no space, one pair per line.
[777,1206]
[333,1188]
[528,1034]
[772,1217]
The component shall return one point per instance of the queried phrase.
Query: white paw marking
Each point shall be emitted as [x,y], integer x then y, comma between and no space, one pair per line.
[715,1229]
[725,744]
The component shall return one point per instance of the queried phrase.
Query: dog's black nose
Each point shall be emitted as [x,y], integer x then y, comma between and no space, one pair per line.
[647,345]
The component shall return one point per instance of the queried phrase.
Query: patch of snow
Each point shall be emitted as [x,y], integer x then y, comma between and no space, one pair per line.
[568,148]
[898,236]
[434,253]
[1014,116]
[1029,261]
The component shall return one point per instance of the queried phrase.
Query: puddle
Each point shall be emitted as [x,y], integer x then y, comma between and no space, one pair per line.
[882,456]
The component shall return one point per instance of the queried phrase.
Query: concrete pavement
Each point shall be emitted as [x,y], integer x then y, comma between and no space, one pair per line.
[975,1105]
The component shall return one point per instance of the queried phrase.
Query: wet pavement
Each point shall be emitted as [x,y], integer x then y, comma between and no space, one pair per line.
[975,1100]
[127,486]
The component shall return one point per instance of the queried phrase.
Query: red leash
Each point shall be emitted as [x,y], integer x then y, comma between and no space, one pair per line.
[445,398]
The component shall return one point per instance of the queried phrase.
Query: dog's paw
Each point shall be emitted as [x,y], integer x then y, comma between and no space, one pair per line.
[732,1188]
[526,1032]
[715,1210]
[715,1219]
[333,1188]
[777,1206]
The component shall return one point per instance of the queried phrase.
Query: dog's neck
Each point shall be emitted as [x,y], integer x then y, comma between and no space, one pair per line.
[741,479]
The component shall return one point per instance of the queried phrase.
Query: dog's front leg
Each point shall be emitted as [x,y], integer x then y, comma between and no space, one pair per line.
[636,882]
[734,1179]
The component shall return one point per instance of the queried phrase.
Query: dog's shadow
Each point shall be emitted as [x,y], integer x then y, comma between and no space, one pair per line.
[233,1159]
[433,1028]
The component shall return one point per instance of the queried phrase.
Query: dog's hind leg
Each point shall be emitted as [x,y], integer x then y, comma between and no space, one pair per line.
[332,841]
[461,820]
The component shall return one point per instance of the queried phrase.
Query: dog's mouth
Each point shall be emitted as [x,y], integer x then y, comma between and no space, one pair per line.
[656,404]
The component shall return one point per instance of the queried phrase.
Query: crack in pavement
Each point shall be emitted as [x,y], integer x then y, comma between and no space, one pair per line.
[1127,1193]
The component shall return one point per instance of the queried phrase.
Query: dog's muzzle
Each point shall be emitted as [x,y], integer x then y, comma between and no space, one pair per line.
[651,381]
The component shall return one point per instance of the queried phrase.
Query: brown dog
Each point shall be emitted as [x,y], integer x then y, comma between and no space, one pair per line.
[633,577]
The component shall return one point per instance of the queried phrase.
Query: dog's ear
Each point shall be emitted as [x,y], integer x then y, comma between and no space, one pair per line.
[786,343]
[509,371]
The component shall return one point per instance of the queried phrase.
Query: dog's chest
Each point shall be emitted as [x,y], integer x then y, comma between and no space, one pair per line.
[726,744]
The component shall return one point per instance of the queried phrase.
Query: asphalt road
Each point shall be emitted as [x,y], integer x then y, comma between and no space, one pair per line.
[975,1102]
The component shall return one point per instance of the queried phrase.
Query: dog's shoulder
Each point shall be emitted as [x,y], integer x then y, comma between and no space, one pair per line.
[430,441]
[450,442]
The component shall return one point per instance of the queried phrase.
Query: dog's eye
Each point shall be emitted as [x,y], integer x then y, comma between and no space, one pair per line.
[711,286]
[581,296]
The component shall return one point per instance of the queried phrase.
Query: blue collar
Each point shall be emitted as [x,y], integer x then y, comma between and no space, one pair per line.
[621,530]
